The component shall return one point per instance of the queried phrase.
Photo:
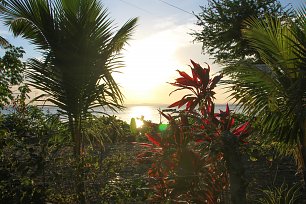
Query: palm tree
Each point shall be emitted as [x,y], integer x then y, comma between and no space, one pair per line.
[81,49]
[275,92]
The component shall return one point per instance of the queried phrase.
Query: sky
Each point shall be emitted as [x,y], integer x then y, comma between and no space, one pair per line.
[161,44]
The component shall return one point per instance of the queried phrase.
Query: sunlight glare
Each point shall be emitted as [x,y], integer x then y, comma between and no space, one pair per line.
[138,112]
[150,63]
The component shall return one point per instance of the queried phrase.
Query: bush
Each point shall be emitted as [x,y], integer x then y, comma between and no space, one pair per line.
[27,141]
[105,129]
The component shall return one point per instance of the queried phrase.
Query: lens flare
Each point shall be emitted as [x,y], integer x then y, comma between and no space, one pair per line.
[162,127]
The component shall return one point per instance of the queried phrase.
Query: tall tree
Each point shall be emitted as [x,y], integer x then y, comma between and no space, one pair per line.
[81,49]
[11,73]
[221,23]
[275,92]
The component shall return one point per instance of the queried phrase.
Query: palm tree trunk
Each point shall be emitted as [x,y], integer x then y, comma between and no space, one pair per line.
[77,139]
[235,168]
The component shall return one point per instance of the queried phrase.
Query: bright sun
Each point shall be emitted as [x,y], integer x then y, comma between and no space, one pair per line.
[140,111]
[150,62]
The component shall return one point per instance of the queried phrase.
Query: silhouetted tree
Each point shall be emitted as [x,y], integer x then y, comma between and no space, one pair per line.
[221,24]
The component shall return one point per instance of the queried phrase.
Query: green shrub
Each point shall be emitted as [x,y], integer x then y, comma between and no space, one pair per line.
[105,129]
[28,139]
[282,195]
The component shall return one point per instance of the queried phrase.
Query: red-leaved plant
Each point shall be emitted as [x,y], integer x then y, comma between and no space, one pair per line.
[200,85]
[181,171]
[191,158]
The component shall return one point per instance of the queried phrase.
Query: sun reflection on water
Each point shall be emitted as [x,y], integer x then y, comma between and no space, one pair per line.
[138,112]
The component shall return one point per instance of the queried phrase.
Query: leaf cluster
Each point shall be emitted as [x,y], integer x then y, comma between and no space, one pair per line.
[100,131]
[11,73]
[187,157]
[273,92]
[221,22]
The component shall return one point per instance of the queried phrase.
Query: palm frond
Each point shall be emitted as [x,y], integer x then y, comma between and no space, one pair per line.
[3,42]
[81,48]
[275,92]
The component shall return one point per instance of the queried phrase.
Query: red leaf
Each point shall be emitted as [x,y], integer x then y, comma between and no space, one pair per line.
[195,76]
[208,67]
[195,102]
[182,102]
[242,129]
[203,75]
[215,80]
[227,109]
[232,122]
[167,116]
[210,108]
[195,65]
[175,104]
[188,105]
[185,75]
[190,102]
[154,139]
[186,100]
[200,140]
[186,82]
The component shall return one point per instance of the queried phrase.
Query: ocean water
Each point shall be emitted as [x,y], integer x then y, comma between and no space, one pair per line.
[151,112]
[147,112]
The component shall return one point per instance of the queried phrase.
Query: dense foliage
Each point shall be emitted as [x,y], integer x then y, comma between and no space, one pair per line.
[28,141]
[275,92]
[221,22]
[37,164]
[80,49]
[11,74]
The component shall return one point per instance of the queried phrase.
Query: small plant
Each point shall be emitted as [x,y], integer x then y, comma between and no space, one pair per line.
[133,127]
[282,195]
